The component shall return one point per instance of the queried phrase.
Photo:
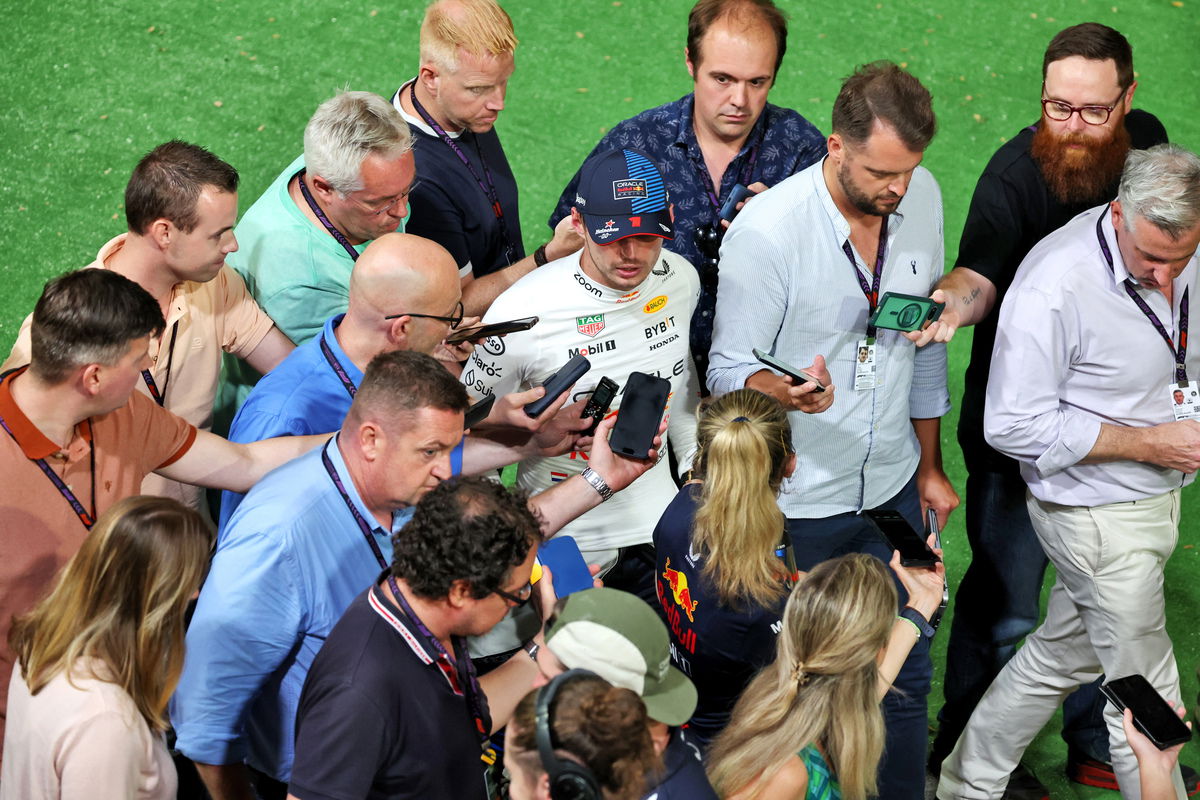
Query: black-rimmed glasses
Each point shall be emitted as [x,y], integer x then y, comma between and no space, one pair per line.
[452,321]
[1059,111]
[519,599]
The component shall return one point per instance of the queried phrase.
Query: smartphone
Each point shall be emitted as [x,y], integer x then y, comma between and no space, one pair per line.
[736,195]
[495,329]
[931,517]
[598,404]
[1152,715]
[479,412]
[568,566]
[639,416]
[896,531]
[798,375]
[558,383]
[904,312]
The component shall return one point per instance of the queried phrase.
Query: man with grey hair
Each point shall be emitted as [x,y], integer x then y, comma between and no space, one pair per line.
[1090,349]
[300,239]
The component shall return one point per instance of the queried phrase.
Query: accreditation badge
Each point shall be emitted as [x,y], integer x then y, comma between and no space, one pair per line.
[1185,399]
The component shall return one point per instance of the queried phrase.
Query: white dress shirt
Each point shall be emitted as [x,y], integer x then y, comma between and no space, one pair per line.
[786,287]
[1073,351]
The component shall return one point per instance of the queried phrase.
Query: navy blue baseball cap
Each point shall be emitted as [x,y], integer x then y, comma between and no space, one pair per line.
[621,193]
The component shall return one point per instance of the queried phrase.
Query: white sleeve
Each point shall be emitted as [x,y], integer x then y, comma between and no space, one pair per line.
[497,365]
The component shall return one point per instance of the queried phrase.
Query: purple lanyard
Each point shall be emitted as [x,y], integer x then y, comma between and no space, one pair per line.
[744,174]
[88,519]
[488,189]
[161,397]
[459,671]
[340,371]
[1179,355]
[871,291]
[329,226]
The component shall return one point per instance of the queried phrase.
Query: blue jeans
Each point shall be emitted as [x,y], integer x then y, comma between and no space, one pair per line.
[902,770]
[995,607]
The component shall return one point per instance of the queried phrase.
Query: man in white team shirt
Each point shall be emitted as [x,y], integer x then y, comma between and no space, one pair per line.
[625,304]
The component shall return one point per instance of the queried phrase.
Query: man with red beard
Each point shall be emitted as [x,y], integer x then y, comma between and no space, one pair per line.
[1068,162]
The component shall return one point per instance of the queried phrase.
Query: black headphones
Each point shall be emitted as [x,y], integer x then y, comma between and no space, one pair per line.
[569,780]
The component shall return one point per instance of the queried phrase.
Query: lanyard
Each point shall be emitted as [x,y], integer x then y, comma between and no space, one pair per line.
[1179,355]
[744,174]
[86,518]
[329,226]
[347,384]
[871,291]
[161,397]
[488,189]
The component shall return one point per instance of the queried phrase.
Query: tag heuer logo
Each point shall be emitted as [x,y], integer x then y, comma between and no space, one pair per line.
[590,325]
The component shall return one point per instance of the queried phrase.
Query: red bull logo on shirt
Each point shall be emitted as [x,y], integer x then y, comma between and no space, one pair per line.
[673,595]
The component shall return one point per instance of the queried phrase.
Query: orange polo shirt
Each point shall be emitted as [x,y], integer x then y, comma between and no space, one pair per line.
[213,317]
[39,531]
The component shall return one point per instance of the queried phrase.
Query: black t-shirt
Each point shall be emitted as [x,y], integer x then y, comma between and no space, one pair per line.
[376,722]
[684,777]
[718,647]
[1011,211]
[449,207]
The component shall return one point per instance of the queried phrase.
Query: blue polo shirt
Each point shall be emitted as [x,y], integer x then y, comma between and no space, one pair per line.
[303,395]
[289,563]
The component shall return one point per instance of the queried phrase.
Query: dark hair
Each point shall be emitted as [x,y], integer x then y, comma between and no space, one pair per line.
[1095,42]
[88,317]
[706,13]
[402,382]
[882,91]
[168,181]
[600,726]
[466,528]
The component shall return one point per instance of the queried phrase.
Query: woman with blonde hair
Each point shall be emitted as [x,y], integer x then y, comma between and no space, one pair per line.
[579,737]
[99,656]
[810,725]
[723,558]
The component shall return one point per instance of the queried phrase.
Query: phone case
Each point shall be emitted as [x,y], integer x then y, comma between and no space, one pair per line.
[567,374]
[640,413]
[1152,715]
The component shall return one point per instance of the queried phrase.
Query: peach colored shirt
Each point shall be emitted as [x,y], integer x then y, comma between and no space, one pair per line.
[82,737]
[214,316]
[39,531]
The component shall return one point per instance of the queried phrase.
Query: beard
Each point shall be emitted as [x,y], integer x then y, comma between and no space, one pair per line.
[1085,175]
[878,206]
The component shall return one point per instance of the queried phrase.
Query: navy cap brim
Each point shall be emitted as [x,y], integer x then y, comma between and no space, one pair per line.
[604,229]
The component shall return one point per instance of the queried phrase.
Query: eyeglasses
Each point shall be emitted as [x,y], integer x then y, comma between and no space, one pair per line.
[1059,111]
[379,209]
[452,321]
[519,599]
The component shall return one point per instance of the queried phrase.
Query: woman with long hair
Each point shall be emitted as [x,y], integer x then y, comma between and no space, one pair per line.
[582,734]
[722,570]
[98,658]
[810,725]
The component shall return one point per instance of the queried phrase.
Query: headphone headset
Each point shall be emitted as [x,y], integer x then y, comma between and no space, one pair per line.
[569,780]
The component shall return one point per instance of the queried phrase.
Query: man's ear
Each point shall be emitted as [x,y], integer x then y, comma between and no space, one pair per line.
[430,77]
[91,378]
[160,232]
[370,439]
[687,59]
[459,594]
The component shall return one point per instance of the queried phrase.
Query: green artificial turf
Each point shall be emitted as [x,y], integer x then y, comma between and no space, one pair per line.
[92,86]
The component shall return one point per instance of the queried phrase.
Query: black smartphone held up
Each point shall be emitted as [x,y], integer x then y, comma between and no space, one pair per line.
[798,375]
[494,329]
[736,195]
[479,411]
[558,383]
[931,516]
[598,404]
[1152,714]
[896,531]
[638,418]
[904,312]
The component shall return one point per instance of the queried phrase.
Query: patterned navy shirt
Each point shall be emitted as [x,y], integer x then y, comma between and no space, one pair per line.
[781,144]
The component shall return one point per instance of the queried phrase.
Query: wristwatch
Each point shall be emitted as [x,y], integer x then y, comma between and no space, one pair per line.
[596,482]
[531,648]
[917,618]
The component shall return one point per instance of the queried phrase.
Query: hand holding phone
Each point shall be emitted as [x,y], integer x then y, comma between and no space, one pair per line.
[479,412]
[598,404]
[494,329]
[558,383]
[904,312]
[639,416]
[795,373]
[1152,714]
[895,530]
[736,195]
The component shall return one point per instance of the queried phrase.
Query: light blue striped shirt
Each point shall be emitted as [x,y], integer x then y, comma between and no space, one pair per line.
[786,287]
